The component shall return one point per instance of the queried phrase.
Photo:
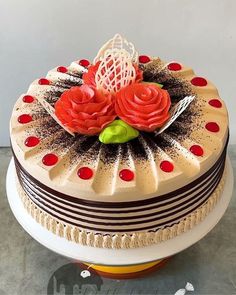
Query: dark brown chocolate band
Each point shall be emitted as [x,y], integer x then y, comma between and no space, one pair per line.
[194,185]
[49,198]
[198,197]
[150,228]
[34,193]
[207,193]
[40,192]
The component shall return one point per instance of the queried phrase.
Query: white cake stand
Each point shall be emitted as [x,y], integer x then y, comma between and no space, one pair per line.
[110,257]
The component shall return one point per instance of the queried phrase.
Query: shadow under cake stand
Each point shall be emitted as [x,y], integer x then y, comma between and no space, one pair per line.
[122,263]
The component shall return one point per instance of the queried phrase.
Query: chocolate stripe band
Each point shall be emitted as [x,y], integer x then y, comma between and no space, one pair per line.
[50,198]
[147,227]
[108,223]
[152,228]
[117,205]
[35,194]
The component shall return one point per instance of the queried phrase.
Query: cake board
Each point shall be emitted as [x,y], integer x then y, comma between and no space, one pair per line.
[121,263]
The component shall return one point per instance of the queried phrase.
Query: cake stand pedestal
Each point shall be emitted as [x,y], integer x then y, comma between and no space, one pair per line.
[122,263]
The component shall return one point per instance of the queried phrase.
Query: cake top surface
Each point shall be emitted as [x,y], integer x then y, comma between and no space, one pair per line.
[124,127]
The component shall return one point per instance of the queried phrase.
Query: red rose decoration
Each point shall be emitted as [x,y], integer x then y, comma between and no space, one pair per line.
[85,110]
[143,106]
[89,77]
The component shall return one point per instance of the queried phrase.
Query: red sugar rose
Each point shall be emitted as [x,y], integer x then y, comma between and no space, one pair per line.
[143,106]
[85,110]
[89,77]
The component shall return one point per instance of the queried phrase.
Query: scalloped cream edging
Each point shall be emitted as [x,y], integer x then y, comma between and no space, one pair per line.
[119,241]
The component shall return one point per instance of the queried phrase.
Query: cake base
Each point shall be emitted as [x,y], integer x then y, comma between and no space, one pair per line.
[105,261]
[128,271]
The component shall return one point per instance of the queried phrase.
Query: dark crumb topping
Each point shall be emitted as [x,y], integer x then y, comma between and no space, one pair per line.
[137,148]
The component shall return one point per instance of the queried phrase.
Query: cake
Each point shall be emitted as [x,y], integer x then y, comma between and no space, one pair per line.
[122,152]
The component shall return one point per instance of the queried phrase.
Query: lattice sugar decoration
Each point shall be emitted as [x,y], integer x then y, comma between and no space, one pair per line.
[175,112]
[116,68]
[115,71]
[117,42]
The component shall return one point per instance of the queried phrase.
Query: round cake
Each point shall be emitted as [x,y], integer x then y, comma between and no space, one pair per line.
[121,152]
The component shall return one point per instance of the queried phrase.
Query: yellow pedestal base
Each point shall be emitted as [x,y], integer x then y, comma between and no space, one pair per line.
[126,272]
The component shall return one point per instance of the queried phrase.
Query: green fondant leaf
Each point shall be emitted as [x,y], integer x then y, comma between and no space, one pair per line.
[118,132]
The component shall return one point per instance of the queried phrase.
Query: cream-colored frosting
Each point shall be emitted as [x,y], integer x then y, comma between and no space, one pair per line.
[106,185]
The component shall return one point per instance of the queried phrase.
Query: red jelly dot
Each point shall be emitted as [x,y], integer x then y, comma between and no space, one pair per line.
[215,103]
[143,59]
[28,99]
[212,126]
[32,141]
[85,173]
[62,69]
[196,150]
[43,81]
[50,159]
[84,63]
[166,166]
[199,81]
[174,66]
[126,175]
[25,118]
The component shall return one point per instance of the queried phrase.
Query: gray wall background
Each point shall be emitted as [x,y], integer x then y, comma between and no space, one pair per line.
[36,35]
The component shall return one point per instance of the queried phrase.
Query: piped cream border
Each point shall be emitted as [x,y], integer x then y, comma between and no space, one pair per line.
[119,241]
